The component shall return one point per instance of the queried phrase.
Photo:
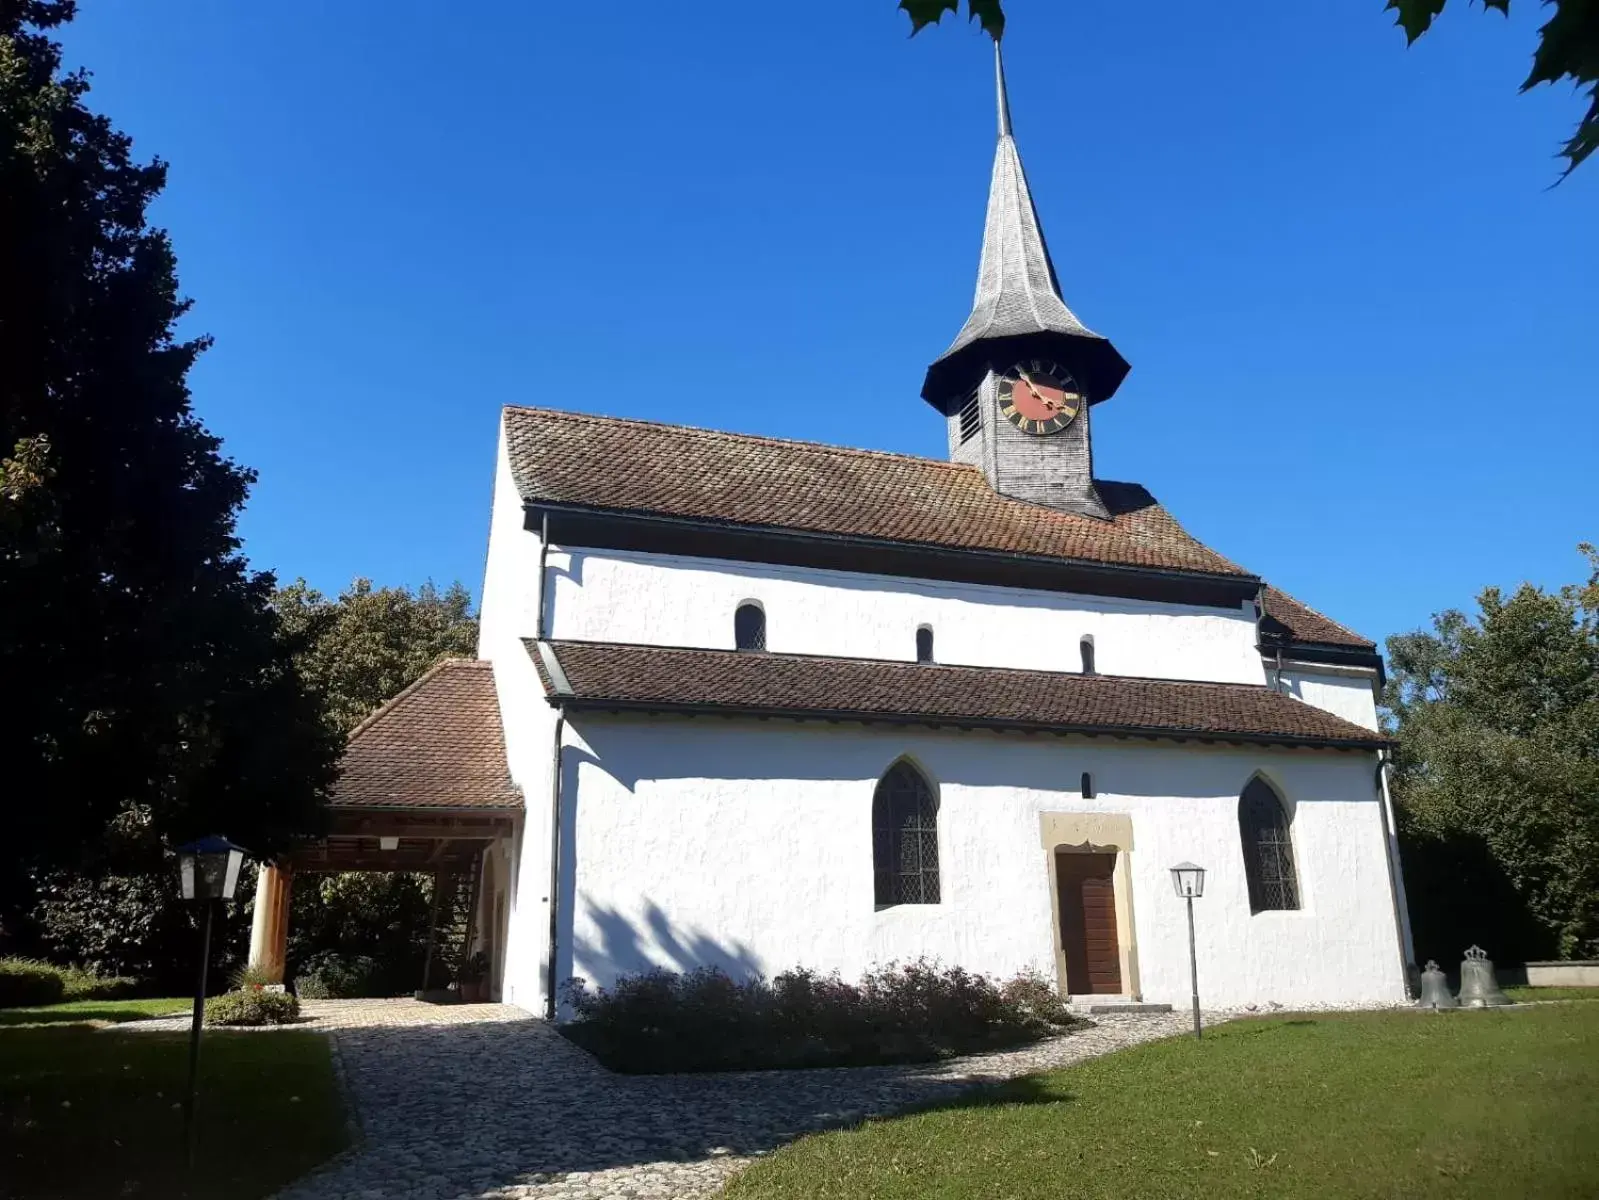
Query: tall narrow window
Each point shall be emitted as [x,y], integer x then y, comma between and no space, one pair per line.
[924,644]
[749,627]
[1268,850]
[1087,648]
[905,838]
[1088,786]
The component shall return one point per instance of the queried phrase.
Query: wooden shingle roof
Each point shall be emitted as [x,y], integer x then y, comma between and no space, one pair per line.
[627,466]
[437,745]
[599,675]
[1305,624]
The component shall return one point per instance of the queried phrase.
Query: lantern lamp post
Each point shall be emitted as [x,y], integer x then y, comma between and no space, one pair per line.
[1189,882]
[209,873]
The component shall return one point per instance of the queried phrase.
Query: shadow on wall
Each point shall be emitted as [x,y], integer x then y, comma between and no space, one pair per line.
[1460,896]
[621,945]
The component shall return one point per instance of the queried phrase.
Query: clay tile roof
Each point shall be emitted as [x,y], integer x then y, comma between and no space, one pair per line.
[673,470]
[1305,624]
[438,744]
[596,675]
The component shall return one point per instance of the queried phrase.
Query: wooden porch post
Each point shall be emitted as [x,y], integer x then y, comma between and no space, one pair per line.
[269,927]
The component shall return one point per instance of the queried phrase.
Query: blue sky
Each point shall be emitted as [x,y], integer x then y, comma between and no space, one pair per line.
[1361,323]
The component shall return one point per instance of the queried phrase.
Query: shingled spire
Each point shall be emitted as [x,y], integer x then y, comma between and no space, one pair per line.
[1018,312]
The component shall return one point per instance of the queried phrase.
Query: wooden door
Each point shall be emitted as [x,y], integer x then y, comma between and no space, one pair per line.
[1088,923]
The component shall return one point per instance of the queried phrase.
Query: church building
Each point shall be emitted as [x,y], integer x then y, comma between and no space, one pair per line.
[760,704]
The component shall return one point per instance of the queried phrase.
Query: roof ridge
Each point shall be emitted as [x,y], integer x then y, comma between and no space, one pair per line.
[729,435]
[901,662]
[388,706]
[769,440]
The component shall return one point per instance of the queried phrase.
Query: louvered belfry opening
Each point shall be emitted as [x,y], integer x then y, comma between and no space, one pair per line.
[905,838]
[1268,849]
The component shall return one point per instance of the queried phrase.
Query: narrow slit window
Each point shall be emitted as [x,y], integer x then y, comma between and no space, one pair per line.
[924,644]
[749,627]
[1087,786]
[1086,646]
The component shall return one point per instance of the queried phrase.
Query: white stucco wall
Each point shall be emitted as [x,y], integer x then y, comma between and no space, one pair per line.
[747,844]
[666,600]
[509,612]
[1345,694]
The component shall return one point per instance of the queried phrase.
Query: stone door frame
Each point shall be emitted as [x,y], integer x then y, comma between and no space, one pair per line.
[1093,833]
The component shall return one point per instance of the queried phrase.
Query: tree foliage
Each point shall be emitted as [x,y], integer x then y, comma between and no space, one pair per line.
[1568,48]
[380,916]
[989,13]
[123,917]
[359,650]
[1497,780]
[138,647]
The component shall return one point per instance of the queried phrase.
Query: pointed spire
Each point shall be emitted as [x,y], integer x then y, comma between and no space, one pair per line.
[999,87]
[1017,312]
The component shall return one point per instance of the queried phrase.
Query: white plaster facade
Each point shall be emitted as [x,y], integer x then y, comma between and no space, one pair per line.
[668,600]
[747,844]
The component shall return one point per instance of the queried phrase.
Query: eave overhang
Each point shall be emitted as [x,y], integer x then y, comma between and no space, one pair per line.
[626,529]
[688,694]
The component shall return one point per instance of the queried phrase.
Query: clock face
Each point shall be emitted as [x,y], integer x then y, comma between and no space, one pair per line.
[1039,397]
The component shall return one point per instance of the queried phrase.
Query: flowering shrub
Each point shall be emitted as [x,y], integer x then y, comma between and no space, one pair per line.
[252,1005]
[706,1021]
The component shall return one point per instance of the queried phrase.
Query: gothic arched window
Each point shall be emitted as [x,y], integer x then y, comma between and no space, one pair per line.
[749,627]
[924,644]
[905,838]
[1268,851]
[1086,646]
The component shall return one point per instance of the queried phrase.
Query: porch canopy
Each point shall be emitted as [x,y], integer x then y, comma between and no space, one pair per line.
[423,786]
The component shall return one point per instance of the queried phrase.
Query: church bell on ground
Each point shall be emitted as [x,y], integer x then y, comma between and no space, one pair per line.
[1478,986]
[1435,989]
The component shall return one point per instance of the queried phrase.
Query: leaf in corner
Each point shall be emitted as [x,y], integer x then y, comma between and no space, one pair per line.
[1568,47]
[927,12]
[988,13]
[1415,16]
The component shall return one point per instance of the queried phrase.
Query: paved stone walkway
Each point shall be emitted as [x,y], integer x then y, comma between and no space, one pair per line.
[483,1102]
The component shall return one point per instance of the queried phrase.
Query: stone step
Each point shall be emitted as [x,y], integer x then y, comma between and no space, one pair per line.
[1120,1006]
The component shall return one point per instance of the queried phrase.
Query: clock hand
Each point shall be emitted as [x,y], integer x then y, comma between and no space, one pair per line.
[1042,399]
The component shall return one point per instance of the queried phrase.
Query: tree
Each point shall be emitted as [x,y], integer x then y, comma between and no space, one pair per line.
[1497,776]
[1568,47]
[139,650]
[353,653]
[363,648]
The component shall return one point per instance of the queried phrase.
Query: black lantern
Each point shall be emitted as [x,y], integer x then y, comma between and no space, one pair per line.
[1188,881]
[209,871]
[210,868]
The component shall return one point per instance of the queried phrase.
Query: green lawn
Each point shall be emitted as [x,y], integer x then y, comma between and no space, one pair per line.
[95,1113]
[1524,994]
[80,1011]
[1500,1103]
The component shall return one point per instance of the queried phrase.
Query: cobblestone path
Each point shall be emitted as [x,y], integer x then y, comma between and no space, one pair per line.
[482,1102]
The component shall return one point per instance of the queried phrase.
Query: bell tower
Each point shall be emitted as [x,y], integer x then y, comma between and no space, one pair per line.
[1017,384]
